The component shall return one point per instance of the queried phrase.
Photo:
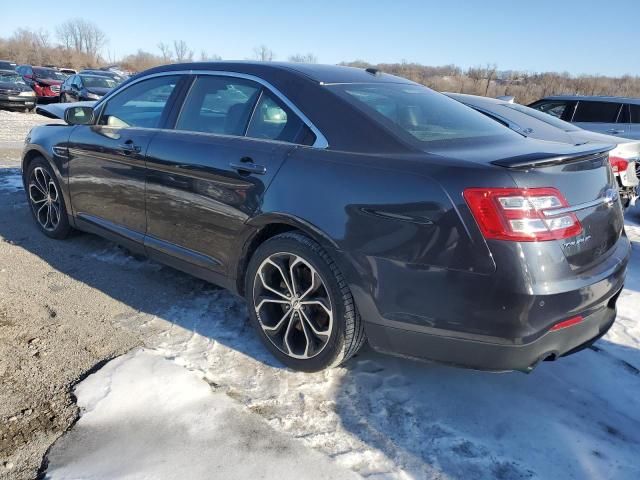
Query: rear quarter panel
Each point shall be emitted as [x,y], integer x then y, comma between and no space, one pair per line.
[389,228]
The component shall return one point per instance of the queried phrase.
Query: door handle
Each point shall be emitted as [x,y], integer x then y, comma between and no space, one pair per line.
[129,147]
[615,131]
[246,166]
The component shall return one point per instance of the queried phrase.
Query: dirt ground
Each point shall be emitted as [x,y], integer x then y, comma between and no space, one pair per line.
[54,328]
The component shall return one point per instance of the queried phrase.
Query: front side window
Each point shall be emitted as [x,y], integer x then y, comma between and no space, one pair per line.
[424,115]
[139,105]
[220,105]
[600,112]
[271,120]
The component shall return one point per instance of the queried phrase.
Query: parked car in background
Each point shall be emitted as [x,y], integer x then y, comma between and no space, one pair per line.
[83,87]
[369,207]
[7,65]
[618,116]
[14,92]
[105,73]
[44,81]
[625,158]
[68,71]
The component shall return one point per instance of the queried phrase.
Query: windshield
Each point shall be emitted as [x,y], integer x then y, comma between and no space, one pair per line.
[543,117]
[11,77]
[98,82]
[421,113]
[49,73]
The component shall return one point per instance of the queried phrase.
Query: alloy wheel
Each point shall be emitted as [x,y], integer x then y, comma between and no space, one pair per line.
[44,199]
[293,306]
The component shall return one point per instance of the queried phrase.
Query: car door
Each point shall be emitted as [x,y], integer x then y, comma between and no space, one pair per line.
[206,178]
[600,117]
[107,171]
[634,122]
[76,88]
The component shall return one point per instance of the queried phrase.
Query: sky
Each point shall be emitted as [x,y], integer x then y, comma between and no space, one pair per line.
[578,36]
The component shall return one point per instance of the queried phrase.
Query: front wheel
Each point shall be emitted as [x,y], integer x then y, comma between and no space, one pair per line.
[46,200]
[301,305]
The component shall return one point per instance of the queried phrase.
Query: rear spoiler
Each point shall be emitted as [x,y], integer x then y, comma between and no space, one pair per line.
[534,160]
[56,110]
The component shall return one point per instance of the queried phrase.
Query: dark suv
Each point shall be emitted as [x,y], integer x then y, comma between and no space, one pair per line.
[612,115]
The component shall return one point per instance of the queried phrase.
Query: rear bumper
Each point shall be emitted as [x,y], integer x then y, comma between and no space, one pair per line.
[494,356]
[486,322]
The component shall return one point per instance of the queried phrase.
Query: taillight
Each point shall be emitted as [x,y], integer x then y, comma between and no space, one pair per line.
[618,164]
[521,214]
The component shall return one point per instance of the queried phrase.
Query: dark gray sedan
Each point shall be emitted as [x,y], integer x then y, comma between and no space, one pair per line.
[345,204]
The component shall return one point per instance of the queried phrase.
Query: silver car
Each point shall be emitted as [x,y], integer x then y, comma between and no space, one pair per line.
[618,116]
[625,158]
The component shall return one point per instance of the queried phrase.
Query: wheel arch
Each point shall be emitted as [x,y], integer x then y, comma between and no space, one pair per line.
[34,151]
[266,226]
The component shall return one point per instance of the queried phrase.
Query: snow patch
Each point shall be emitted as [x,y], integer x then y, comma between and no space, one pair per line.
[10,180]
[146,417]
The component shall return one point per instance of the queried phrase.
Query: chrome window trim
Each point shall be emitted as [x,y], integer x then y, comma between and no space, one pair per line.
[321,141]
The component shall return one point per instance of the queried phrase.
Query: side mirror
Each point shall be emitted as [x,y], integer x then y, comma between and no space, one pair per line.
[78,115]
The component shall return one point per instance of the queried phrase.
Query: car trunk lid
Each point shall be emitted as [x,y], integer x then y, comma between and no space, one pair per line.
[589,186]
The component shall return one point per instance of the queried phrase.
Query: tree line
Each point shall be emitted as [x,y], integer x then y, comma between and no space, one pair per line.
[79,43]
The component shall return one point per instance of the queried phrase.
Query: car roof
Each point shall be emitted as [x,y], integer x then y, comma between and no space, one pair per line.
[598,98]
[89,75]
[324,74]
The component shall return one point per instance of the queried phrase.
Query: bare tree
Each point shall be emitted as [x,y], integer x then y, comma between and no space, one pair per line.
[490,72]
[81,36]
[182,52]
[301,58]
[209,57]
[165,52]
[263,53]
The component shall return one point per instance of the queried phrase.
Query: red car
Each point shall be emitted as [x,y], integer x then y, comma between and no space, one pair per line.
[44,81]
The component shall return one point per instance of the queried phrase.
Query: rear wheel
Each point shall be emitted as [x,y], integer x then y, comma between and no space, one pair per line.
[46,200]
[301,305]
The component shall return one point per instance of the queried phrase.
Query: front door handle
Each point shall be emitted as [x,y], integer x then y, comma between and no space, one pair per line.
[129,147]
[246,166]
[615,131]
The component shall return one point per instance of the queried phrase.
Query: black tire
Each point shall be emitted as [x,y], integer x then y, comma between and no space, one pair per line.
[61,228]
[346,335]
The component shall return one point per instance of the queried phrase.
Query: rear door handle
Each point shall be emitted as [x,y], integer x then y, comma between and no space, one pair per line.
[615,131]
[246,166]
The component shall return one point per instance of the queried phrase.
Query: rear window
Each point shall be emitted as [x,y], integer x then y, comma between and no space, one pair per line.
[601,112]
[419,113]
[543,117]
[555,108]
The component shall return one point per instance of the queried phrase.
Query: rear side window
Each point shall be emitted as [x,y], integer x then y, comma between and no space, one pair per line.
[601,112]
[635,113]
[140,105]
[219,105]
[417,113]
[272,120]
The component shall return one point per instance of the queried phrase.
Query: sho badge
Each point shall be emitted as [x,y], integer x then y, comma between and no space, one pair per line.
[577,242]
